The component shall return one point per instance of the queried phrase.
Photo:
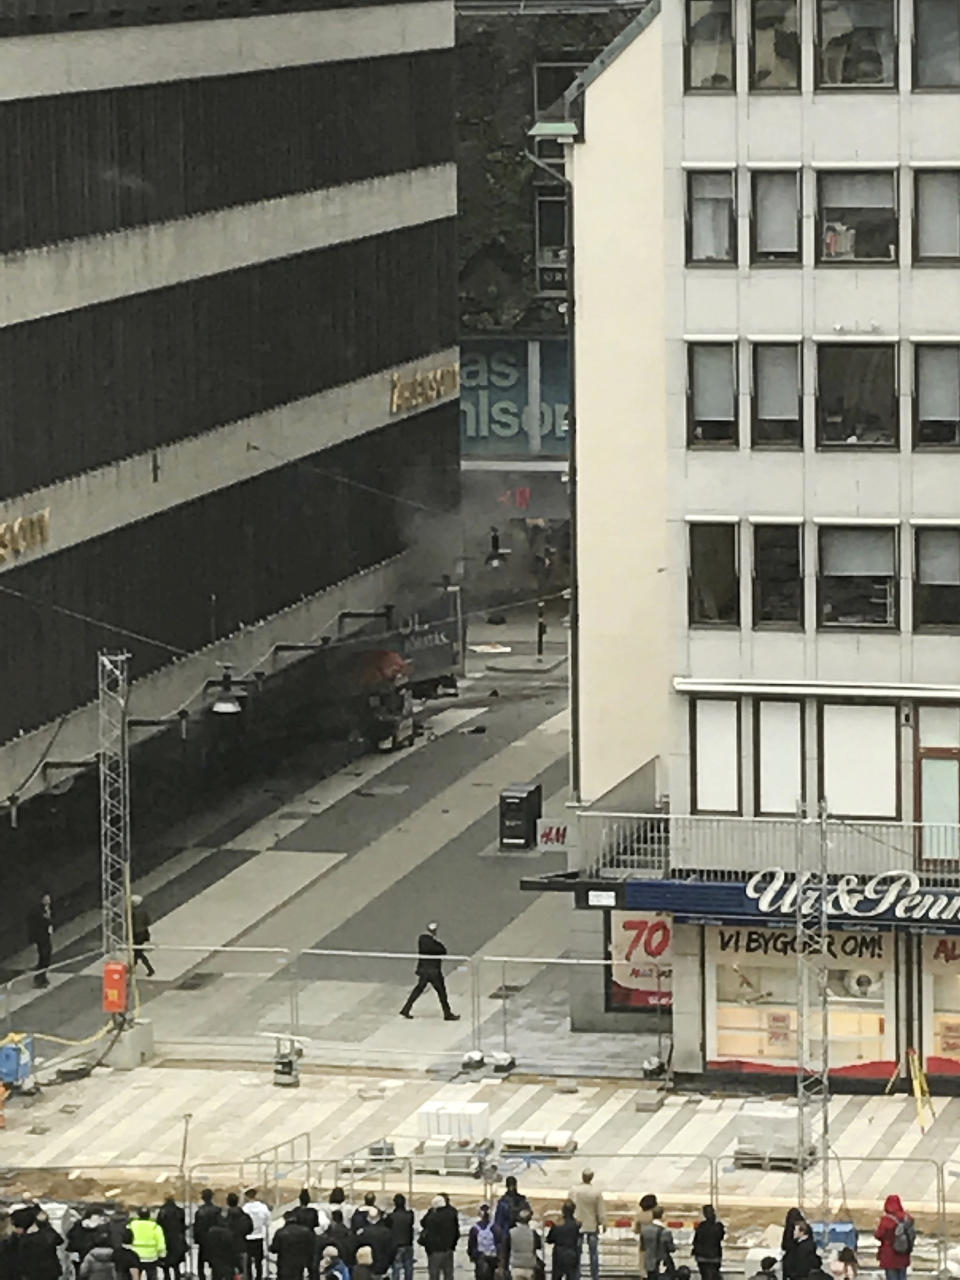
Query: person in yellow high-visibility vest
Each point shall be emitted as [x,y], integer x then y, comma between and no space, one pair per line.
[149,1242]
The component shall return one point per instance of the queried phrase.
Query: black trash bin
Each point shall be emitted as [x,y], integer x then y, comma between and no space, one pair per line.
[521,804]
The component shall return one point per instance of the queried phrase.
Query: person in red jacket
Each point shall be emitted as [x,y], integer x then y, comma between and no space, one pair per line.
[897,1235]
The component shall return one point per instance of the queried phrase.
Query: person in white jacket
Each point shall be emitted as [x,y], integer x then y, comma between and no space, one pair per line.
[259,1237]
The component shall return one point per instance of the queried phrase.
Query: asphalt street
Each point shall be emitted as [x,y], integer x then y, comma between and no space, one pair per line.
[381,848]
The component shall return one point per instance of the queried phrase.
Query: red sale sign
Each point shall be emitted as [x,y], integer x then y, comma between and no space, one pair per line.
[641,948]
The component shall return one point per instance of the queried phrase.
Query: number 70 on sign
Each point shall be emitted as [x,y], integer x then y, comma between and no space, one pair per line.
[652,935]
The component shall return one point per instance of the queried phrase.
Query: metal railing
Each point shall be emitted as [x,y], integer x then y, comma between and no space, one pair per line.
[747,1197]
[660,844]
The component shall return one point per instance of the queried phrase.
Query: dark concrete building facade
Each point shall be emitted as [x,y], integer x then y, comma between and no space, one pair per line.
[228,366]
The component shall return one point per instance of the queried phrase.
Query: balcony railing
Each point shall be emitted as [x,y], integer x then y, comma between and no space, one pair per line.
[654,845]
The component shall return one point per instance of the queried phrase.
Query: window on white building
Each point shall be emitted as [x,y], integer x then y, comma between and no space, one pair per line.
[712,393]
[857,582]
[710,62]
[936,584]
[936,53]
[936,402]
[938,802]
[856,44]
[551,80]
[551,243]
[860,760]
[713,575]
[857,395]
[774,45]
[775,216]
[777,577]
[776,415]
[857,217]
[778,756]
[715,755]
[936,228]
[711,217]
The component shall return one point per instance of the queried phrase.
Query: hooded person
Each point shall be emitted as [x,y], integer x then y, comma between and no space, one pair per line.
[98,1263]
[897,1235]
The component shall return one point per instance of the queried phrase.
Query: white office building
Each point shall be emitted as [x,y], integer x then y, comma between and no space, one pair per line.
[766,199]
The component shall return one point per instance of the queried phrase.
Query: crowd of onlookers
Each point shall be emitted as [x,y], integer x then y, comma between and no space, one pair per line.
[334,1240]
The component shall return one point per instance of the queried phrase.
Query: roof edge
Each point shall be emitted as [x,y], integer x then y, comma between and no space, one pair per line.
[632,31]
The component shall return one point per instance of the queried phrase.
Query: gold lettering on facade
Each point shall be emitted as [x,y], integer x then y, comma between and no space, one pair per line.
[23,534]
[423,388]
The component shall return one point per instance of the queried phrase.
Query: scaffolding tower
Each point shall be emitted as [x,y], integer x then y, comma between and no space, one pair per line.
[114,802]
[813,1014]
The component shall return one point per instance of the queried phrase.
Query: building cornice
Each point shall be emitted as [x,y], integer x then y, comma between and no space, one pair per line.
[816,689]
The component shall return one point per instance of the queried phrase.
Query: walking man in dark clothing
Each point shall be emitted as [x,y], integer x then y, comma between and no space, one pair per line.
[430,974]
[41,936]
[140,922]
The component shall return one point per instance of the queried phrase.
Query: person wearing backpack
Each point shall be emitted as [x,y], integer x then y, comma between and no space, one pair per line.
[897,1235]
[98,1262]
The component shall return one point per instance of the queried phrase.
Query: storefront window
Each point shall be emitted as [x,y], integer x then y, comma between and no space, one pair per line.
[755,977]
[941,963]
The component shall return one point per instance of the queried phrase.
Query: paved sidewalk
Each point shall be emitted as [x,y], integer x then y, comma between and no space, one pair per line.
[136,1118]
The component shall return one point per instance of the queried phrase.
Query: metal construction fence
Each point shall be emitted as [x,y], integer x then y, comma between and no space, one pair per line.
[342,1006]
[751,1201]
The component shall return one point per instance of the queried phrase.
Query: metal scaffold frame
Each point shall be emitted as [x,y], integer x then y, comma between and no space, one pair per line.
[114,802]
[813,1016]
